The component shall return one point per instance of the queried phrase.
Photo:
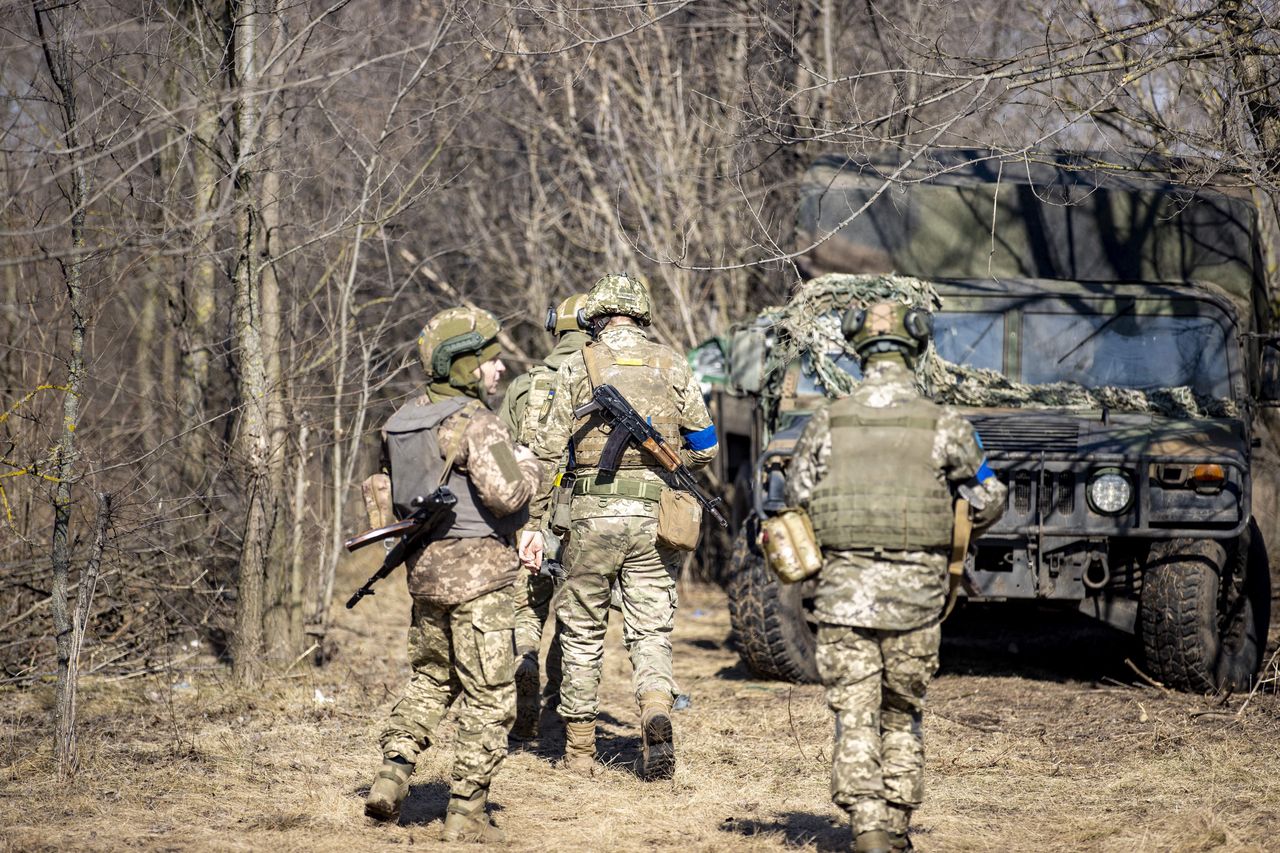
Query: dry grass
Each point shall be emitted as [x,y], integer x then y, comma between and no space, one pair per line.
[1039,739]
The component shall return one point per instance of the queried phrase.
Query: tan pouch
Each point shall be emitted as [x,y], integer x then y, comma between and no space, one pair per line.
[790,546]
[561,502]
[679,519]
[376,490]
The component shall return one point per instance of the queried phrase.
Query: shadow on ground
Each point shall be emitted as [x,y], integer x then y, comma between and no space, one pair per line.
[798,828]
[1035,641]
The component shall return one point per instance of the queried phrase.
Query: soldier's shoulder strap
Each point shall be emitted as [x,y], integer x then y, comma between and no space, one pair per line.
[591,355]
[467,407]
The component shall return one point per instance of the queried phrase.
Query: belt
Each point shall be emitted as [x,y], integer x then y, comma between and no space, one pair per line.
[644,490]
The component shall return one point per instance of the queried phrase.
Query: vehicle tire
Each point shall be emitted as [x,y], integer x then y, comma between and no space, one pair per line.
[1204,612]
[771,620]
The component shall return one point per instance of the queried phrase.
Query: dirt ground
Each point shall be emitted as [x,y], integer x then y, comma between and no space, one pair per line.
[1039,737]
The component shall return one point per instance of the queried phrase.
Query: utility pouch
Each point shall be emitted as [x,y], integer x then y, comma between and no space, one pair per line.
[679,519]
[790,546]
[376,490]
[560,520]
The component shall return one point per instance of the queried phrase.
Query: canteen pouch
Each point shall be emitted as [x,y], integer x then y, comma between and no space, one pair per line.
[376,491]
[560,520]
[790,546]
[679,519]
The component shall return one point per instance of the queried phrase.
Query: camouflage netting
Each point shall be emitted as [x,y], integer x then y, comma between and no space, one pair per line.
[811,322]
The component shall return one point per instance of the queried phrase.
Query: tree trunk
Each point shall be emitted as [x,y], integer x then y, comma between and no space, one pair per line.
[52,27]
[252,434]
[282,642]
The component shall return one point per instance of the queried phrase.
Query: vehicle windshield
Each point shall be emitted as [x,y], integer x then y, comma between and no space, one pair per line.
[972,338]
[1127,350]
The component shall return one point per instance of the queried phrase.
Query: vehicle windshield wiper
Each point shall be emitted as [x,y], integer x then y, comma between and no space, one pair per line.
[1127,309]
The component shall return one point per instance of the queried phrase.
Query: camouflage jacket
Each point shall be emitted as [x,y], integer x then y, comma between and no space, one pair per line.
[881,588]
[573,388]
[515,403]
[504,477]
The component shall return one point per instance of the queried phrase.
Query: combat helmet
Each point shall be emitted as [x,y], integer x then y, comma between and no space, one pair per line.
[888,328]
[564,317]
[455,342]
[614,294]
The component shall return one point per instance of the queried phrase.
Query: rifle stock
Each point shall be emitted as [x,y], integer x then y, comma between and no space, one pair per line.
[415,530]
[629,426]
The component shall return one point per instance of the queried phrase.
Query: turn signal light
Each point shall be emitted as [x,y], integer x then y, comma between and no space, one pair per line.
[1207,478]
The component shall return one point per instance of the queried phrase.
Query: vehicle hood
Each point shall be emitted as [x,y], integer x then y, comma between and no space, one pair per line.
[1019,432]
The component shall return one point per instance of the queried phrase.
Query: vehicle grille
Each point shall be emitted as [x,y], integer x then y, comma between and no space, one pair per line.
[1027,433]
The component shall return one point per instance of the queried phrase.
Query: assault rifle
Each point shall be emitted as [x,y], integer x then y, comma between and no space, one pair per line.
[413,532]
[628,426]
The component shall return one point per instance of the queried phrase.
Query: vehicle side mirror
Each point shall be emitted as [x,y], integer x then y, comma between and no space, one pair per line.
[1269,381]
[748,350]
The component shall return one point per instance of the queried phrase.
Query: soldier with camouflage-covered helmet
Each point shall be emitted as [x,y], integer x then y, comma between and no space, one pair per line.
[613,520]
[878,472]
[524,410]
[460,637]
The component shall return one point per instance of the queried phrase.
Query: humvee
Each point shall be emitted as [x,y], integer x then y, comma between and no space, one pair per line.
[1111,334]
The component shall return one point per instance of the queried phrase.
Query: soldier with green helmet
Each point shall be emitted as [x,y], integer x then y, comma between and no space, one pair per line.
[524,410]
[878,472]
[613,519]
[461,633]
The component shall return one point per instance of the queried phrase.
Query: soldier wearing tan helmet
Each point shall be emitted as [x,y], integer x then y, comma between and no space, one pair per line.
[524,410]
[613,529]
[878,472]
[460,636]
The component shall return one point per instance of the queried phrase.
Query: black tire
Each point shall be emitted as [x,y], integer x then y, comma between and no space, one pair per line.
[1204,612]
[771,620]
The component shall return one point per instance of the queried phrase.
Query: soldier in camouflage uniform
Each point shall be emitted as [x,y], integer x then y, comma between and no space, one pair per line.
[524,410]
[876,471]
[613,529]
[460,638]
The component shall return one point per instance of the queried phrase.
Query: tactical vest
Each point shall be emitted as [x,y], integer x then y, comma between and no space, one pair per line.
[417,462]
[645,377]
[882,489]
[537,406]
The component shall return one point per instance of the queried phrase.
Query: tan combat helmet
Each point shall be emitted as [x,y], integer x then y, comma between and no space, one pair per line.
[564,317]
[617,294]
[888,328]
[454,343]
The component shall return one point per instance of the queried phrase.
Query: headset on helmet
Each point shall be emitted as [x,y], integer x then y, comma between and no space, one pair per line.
[567,316]
[917,323]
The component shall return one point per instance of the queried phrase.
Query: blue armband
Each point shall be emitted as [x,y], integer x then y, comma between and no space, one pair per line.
[702,439]
[984,472]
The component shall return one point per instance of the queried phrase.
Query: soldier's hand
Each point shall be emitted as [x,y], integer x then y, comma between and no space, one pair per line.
[531,546]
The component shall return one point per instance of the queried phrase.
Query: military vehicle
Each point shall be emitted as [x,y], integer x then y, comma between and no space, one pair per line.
[1106,332]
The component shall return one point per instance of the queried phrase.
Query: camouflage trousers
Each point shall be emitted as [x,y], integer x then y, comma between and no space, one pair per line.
[533,605]
[601,549]
[876,681]
[461,653]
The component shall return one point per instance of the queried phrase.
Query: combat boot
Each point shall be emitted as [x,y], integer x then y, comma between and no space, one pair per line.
[465,819]
[389,789]
[580,748]
[658,755]
[876,841]
[528,703]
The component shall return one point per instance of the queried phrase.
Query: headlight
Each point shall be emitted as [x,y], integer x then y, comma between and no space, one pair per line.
[1110,491]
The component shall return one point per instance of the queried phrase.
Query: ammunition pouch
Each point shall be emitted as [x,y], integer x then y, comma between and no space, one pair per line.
[376,491]
[679,519]
[790,546]
[559,521]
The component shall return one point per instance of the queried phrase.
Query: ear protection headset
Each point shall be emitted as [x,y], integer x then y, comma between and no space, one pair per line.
[919,324]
